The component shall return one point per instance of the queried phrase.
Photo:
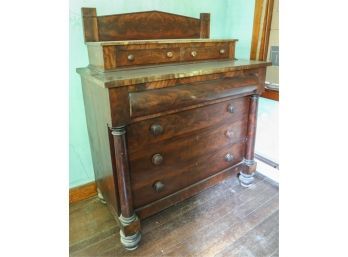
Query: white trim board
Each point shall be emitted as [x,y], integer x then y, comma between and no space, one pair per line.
[267,171]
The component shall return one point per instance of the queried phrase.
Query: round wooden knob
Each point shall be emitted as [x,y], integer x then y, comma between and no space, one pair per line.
[170,54]
[229,133]
[156,129]
[230,108]
[222,51]
[228,157]
[193,53]
[158,186]
[131,57]
[157,159]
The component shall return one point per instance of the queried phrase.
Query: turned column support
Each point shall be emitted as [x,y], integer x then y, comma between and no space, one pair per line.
[246,176]
[129,222]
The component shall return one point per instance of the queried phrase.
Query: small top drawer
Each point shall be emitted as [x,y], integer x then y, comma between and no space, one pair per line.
[219,51]
[119,54]
[147,56]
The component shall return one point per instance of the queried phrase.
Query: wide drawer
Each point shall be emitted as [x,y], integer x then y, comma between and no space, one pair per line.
[144,133]
[183,174]
[154,101]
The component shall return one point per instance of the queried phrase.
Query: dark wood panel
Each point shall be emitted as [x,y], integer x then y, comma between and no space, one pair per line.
[159,100]
[98,118]
[185,122]
[147,25]
[90,24]
[119,105]
[186,174]
[205,25]
[252,121]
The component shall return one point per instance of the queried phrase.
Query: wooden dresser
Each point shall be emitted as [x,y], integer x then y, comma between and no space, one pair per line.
[169,111]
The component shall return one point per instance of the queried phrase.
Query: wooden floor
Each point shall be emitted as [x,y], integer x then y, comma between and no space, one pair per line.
[225,220]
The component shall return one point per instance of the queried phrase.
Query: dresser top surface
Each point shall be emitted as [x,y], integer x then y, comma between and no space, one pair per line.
[157,41]
[131,76]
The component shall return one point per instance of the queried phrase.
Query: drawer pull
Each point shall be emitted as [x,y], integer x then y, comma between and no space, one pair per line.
[230,108]
[157,159]
[158,186]
[229,133]
[156,129]
[222,51]
[131,57]
[170,54]
[193,53]
[228,157]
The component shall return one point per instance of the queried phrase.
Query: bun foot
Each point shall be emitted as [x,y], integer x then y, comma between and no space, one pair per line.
[245,180]
[130,235]
[130,243]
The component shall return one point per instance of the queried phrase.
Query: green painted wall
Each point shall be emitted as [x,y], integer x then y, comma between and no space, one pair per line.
[229,19]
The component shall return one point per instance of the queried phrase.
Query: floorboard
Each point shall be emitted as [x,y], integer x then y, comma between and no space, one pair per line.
[225,220]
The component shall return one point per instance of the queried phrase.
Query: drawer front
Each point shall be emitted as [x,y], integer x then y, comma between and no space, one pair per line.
[151,185]
[219,51]
[187,148]
[188,157]
[175,98]
[148,132]
[147,56]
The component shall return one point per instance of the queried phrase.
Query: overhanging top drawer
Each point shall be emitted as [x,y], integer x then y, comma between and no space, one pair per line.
[149,102]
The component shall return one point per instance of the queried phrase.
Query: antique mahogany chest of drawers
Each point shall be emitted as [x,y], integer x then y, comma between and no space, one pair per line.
[169,111]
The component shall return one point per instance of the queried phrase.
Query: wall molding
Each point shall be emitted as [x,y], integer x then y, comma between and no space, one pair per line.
[82,192]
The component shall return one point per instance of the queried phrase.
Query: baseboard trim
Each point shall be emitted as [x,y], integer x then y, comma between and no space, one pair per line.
[82,192]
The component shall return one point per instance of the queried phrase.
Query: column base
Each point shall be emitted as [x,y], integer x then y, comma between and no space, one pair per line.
[130,235]
[246,176]
[130,242]
[246,180]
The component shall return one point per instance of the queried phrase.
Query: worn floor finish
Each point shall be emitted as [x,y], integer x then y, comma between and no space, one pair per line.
[225,220]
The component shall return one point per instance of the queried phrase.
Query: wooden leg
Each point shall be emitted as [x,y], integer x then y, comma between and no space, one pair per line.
[246,176]
[129,222]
